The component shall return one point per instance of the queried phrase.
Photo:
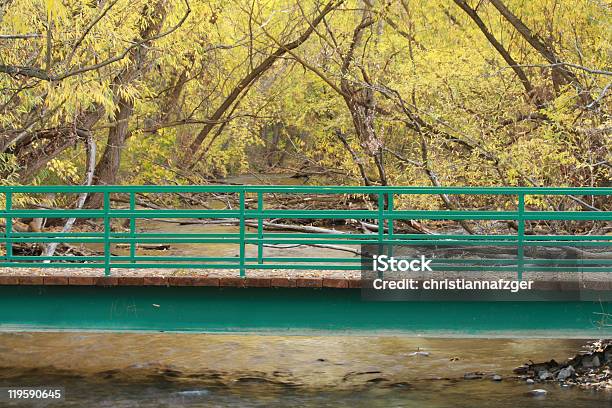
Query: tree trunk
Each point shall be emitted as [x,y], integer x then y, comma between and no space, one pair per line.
[361,103]
[108,166]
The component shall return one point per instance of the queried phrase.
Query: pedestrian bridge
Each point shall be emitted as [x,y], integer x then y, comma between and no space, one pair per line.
[561,236]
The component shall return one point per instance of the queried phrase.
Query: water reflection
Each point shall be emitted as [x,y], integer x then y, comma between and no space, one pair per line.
[193,370]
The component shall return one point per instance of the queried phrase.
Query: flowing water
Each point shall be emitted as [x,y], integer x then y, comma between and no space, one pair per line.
[202,370]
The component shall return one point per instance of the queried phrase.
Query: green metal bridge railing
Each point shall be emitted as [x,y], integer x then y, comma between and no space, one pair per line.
[384,216]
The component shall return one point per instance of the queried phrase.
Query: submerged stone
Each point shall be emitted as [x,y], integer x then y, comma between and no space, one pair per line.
[419,354]
[538,392]
[545,375]
[472,376]
[566,373]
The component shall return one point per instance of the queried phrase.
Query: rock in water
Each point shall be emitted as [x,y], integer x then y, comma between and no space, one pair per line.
[538,392]
[530,381]
[545,375]
[419,354]
[590,361]
[608,354]
[497,377]
[473,376]
[521,369]
[193,393]
[566,373]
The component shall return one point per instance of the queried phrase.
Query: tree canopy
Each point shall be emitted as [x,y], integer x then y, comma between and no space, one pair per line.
[415,92]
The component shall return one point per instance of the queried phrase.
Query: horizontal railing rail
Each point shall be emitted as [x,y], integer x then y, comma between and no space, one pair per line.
[518,252]
[309,189]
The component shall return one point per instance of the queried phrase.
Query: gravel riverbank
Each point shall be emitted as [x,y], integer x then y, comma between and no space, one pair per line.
[591,368]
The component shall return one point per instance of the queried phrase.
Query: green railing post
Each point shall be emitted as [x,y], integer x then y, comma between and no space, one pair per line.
[132,227]
[242,235]
[381,218]
[107,231]
[521,235]
[9,225]
[381,226]
[260,209]
[390,222]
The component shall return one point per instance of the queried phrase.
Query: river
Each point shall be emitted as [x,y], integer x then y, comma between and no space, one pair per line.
[203,370]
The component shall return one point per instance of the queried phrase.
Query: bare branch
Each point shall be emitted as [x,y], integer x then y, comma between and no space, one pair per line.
[355,157]
[30,72]
[496,44]
[567,64]
[601,96]
[19,36]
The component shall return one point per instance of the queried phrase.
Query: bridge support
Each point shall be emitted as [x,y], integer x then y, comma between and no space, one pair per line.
[285,310]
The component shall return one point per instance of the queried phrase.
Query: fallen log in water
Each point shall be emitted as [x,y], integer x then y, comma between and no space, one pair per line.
[151,247]
[28,249]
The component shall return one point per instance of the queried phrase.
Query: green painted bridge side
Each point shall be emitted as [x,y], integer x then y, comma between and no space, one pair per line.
[286,310]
